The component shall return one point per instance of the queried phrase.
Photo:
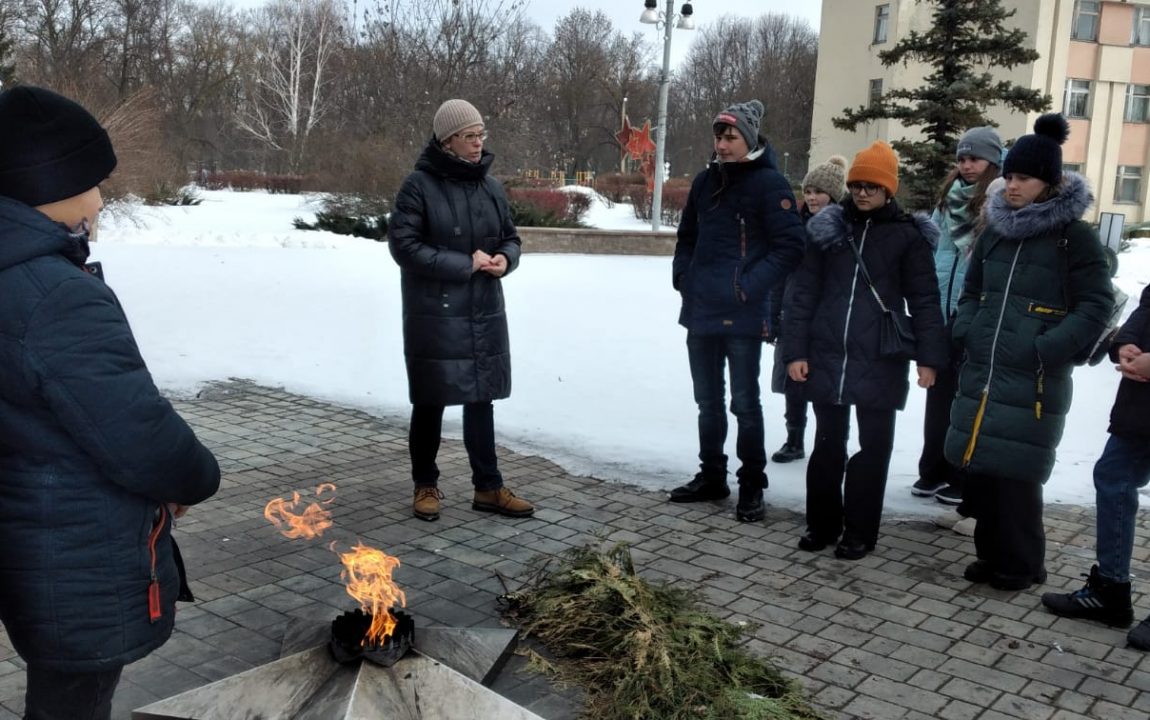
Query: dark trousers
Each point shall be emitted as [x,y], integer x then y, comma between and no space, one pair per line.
[740,356]
[55,695]
[1009,535]
[796,407]
[478,437]
[845,496]
[932,464]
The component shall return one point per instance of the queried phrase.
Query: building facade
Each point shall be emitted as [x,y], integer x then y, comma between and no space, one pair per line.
[1094,63]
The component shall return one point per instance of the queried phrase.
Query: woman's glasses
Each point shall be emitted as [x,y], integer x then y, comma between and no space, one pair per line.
[860,188]
[472,137]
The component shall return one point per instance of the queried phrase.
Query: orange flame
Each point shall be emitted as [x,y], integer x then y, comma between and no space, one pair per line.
[367,572]
[308,524]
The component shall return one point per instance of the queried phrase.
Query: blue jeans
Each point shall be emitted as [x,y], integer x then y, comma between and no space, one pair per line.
[1123,468]
[740,356]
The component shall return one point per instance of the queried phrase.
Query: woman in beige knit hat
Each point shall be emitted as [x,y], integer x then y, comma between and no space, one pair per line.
[823,185]
[451,234]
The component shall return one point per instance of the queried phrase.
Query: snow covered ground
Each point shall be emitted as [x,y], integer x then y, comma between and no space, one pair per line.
[229,289]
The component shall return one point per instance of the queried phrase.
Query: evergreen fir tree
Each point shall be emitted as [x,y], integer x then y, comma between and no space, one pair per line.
[966,39]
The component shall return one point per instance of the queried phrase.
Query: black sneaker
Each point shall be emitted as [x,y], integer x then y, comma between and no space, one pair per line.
[848,549]
[789,453]
[813,543]
[700,489]
[926,487]
[1015,583]
[1101,600]
[1139,637]
[978,571]
[949,495]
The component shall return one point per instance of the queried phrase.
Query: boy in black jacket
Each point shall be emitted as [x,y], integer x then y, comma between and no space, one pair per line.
[1123,468]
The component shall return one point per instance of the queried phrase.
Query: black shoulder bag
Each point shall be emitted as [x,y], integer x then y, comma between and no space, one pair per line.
[896,338]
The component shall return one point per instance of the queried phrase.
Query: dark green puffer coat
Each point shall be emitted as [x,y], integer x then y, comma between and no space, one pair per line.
[1037,294]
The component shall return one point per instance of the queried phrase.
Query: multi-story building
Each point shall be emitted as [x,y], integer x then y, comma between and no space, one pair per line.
[1095,65]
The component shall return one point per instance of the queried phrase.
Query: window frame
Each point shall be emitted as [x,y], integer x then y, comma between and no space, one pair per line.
[881,22]
[1071,92]
[872,98]
[1124,176]
[1075,27]
[1140,33]
[1137,98]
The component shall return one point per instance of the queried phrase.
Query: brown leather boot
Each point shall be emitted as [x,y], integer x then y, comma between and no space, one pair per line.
[502,501]
[426,505]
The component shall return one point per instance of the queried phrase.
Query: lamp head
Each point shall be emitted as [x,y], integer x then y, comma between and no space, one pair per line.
[650,15]
[686,17]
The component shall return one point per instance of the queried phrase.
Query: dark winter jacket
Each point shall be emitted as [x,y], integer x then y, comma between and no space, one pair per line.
[454,325]
[1129,417]
[739,237]
[89,455]
[1037,294]
[833,320]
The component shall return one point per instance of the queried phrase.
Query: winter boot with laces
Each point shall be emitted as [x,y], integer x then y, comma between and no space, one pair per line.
[704,487]
[751,507]
[426,505]
[1102,600]
[792,449]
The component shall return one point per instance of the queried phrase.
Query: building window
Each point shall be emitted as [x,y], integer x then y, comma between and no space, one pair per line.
[1128,189]
[1137,103]
[1077,103]
[1141,33]
[875,94]
[881,21]
[1086,14]
[1072,167]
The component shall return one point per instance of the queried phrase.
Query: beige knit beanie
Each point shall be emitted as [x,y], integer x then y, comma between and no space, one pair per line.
[830,177]
[453,116]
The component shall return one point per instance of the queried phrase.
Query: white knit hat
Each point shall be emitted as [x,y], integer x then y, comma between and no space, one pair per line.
[453,116]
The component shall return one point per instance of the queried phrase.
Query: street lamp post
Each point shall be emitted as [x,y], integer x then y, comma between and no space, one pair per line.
[622,122]
[663,19]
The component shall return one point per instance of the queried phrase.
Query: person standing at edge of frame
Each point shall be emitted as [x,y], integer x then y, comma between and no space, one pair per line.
[451,234]
[739,237]
[1036,296]
[94,462]
[824,185]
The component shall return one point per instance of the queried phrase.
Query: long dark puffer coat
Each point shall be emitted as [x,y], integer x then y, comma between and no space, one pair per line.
[1037,293]
[454,324]
[1128,416]
[89,454]
[739,237]
[832,319]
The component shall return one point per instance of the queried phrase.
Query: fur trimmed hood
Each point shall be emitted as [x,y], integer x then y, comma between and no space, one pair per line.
[1069,204]
[831,226]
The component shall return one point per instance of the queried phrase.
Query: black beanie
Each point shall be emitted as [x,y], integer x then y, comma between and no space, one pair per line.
[1040,155]
[50,148]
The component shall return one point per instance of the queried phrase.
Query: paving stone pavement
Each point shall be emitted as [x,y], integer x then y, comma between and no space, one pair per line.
[898,635]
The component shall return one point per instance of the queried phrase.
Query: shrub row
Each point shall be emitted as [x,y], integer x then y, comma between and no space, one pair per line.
[538,207]
[245,180]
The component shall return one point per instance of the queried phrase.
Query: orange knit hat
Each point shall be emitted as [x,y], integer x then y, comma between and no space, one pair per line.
[877,165]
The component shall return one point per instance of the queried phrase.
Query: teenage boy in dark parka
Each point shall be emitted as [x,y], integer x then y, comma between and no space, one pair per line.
[740,235]
[94,463]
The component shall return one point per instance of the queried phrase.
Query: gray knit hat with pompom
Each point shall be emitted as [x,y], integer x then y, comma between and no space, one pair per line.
[829,177]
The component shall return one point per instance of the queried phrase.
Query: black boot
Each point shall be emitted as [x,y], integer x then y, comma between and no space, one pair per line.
[751,507]
[792,449]
[1139,637]
[1102,600]
[703,487]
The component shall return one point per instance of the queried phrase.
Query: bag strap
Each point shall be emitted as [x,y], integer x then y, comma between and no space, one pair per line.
[866,274]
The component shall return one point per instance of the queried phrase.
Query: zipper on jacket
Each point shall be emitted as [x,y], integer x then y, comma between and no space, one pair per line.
[742,257]
[850,311]
[154,609]
[970,445]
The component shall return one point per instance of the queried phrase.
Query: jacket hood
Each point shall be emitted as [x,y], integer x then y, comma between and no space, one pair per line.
[831,226]
[1068,205]
[437,161]
[26,233]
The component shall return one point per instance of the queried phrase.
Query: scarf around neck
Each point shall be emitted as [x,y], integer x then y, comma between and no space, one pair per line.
[957,221]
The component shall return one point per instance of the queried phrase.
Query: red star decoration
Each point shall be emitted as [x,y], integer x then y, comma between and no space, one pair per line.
[623,137]
[641,144]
